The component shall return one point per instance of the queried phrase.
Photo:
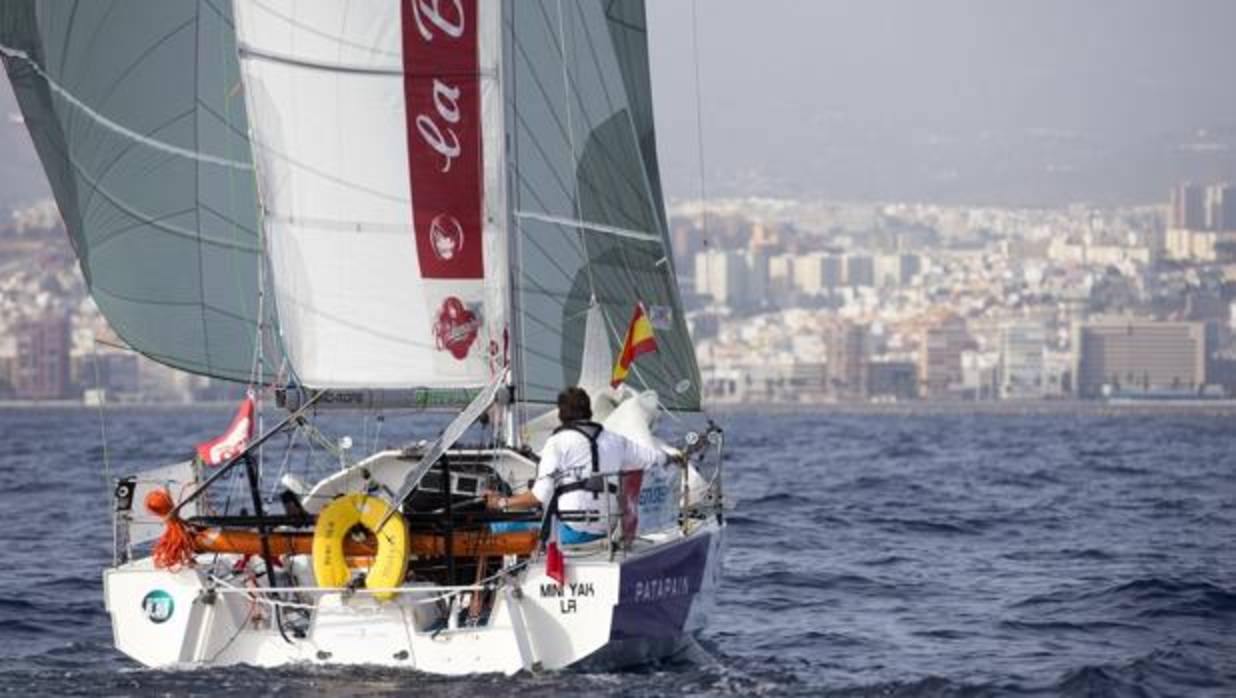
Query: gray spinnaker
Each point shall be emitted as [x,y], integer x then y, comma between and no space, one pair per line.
[136,112]
[588,213]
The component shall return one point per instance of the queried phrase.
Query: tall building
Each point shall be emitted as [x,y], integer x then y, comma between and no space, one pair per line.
[755,290]
[41,366]
[1221,207]
[1131,355]
[897,380]
[1188,207]
[722,275]
[849,354]
[939,365]
[781,276]
[893,270]
[859,270]
[818,273]
[1022,349]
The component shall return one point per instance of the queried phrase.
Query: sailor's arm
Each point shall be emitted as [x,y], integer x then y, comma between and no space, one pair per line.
[538,494]
[523,500]
[640,457]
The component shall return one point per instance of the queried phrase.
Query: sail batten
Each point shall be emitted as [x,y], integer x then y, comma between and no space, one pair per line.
[591,227]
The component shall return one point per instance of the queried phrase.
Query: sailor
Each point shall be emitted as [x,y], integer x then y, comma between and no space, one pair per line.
[578,450]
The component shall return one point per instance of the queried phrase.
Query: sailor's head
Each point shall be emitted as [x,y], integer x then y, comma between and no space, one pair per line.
[574,405]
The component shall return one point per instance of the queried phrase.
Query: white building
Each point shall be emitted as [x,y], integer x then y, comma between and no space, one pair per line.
[894,270]
[722,275]
[1022,347]
[817,273]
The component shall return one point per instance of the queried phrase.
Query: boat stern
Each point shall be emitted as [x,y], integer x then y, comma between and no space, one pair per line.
[162,618]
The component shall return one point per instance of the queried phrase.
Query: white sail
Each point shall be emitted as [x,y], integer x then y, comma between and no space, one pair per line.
[371,129]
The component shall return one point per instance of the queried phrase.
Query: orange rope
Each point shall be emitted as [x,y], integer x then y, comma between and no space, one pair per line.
[175,547]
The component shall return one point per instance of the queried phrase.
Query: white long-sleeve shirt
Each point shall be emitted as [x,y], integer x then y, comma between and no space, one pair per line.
[567,458]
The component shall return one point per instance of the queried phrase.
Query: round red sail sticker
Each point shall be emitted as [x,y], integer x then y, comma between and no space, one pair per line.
[456,328]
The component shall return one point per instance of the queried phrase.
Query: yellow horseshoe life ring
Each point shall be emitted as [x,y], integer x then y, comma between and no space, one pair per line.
[340,516]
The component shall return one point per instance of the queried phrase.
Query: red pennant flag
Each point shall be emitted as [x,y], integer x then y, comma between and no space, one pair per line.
[555,565]
[628,503]
[234,440]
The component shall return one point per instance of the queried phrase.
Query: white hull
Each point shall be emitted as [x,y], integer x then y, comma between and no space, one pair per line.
[630,610]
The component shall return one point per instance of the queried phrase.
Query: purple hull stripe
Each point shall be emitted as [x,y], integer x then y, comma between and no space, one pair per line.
[655,592]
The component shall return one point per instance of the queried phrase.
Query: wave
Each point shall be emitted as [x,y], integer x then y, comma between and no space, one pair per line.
[1057,626]
[1148,597]
[924,525]
[1162,672]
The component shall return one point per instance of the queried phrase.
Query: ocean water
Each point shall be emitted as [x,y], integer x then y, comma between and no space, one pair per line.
[932,555]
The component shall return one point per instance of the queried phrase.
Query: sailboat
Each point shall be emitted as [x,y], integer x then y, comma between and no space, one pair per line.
[383,206]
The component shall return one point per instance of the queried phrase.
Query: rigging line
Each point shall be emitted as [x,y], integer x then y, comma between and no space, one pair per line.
[197,186]
[599,145]
[17,54]
[228,66]
[670,280]
[596,62]
[605,152]
[562,130]
[515,359]
[102,397]
[699,120]
[566,87]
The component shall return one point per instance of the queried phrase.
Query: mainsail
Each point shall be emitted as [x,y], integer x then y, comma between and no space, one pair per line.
[377,135]
[587,209]
[136,112]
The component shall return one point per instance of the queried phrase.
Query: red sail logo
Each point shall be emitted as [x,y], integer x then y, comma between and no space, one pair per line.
[456,328]
[446,234]
[443,104]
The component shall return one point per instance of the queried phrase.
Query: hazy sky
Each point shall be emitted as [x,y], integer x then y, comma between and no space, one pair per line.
[1004,101]
[1014,100]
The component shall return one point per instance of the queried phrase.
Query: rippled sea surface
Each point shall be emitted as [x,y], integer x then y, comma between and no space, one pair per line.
[932,555]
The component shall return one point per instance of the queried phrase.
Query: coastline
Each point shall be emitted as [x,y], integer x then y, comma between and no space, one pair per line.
[894,409]
[997,408]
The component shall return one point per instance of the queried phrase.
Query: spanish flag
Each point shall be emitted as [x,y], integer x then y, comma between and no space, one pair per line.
[640,340]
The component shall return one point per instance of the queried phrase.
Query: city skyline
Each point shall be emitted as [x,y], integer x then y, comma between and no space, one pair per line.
[822,303]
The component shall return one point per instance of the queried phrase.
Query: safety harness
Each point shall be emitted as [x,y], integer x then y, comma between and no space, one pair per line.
[594,483]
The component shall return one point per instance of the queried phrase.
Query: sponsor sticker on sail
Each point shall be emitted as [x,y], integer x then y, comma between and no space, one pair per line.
[661,317]
[443,105]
